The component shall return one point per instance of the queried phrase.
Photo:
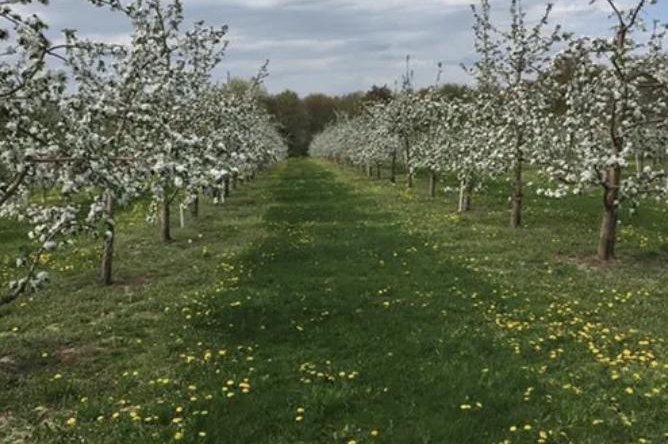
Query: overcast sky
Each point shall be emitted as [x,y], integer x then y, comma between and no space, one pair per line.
[339,46]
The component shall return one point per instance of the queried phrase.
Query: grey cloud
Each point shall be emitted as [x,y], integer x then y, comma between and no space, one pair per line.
[336,46]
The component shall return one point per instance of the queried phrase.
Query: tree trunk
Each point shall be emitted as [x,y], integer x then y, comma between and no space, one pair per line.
[165,229]
[369,171]
[194,208]
[433,179]
[393,172]
[409,172]
[464,197]
[467,198]
[379,172]
[518,195]
[106,269]
[608,235]
[182,216]
[226,192]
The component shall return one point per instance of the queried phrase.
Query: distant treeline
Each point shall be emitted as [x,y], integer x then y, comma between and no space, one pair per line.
[301,119]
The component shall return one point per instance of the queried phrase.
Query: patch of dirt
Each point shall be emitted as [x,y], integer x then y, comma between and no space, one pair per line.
[7,365]
[138,281]
[646,262]
[71,356]
[7,361]
[11,431]
[5,419]
[588,262]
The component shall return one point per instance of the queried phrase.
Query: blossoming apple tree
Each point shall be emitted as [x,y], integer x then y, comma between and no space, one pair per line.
[616,112]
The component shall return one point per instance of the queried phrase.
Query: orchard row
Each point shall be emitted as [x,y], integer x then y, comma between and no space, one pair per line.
[587,113]
[101,125]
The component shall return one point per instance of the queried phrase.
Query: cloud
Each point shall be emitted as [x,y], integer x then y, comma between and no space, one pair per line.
[338,46]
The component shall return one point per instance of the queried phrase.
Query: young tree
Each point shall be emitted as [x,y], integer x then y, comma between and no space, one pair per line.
[511,61]
[182,68]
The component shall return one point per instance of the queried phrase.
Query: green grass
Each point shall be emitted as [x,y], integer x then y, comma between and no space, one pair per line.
[382,314]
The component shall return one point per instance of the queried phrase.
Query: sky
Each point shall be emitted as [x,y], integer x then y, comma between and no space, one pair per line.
[341,46]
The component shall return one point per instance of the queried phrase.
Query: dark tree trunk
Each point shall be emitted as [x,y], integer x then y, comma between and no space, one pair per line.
[379,172]
[409,172]
[393,172]
[106,269]
[194,208]
[165,227]
[608,235]
[226,192]
[433,179]
[518,193]
[640,164]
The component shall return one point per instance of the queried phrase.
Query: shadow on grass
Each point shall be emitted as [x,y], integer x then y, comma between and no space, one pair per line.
[337,288]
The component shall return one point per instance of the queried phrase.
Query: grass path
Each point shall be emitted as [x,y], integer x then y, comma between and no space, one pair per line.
[347,311]
[353,325]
